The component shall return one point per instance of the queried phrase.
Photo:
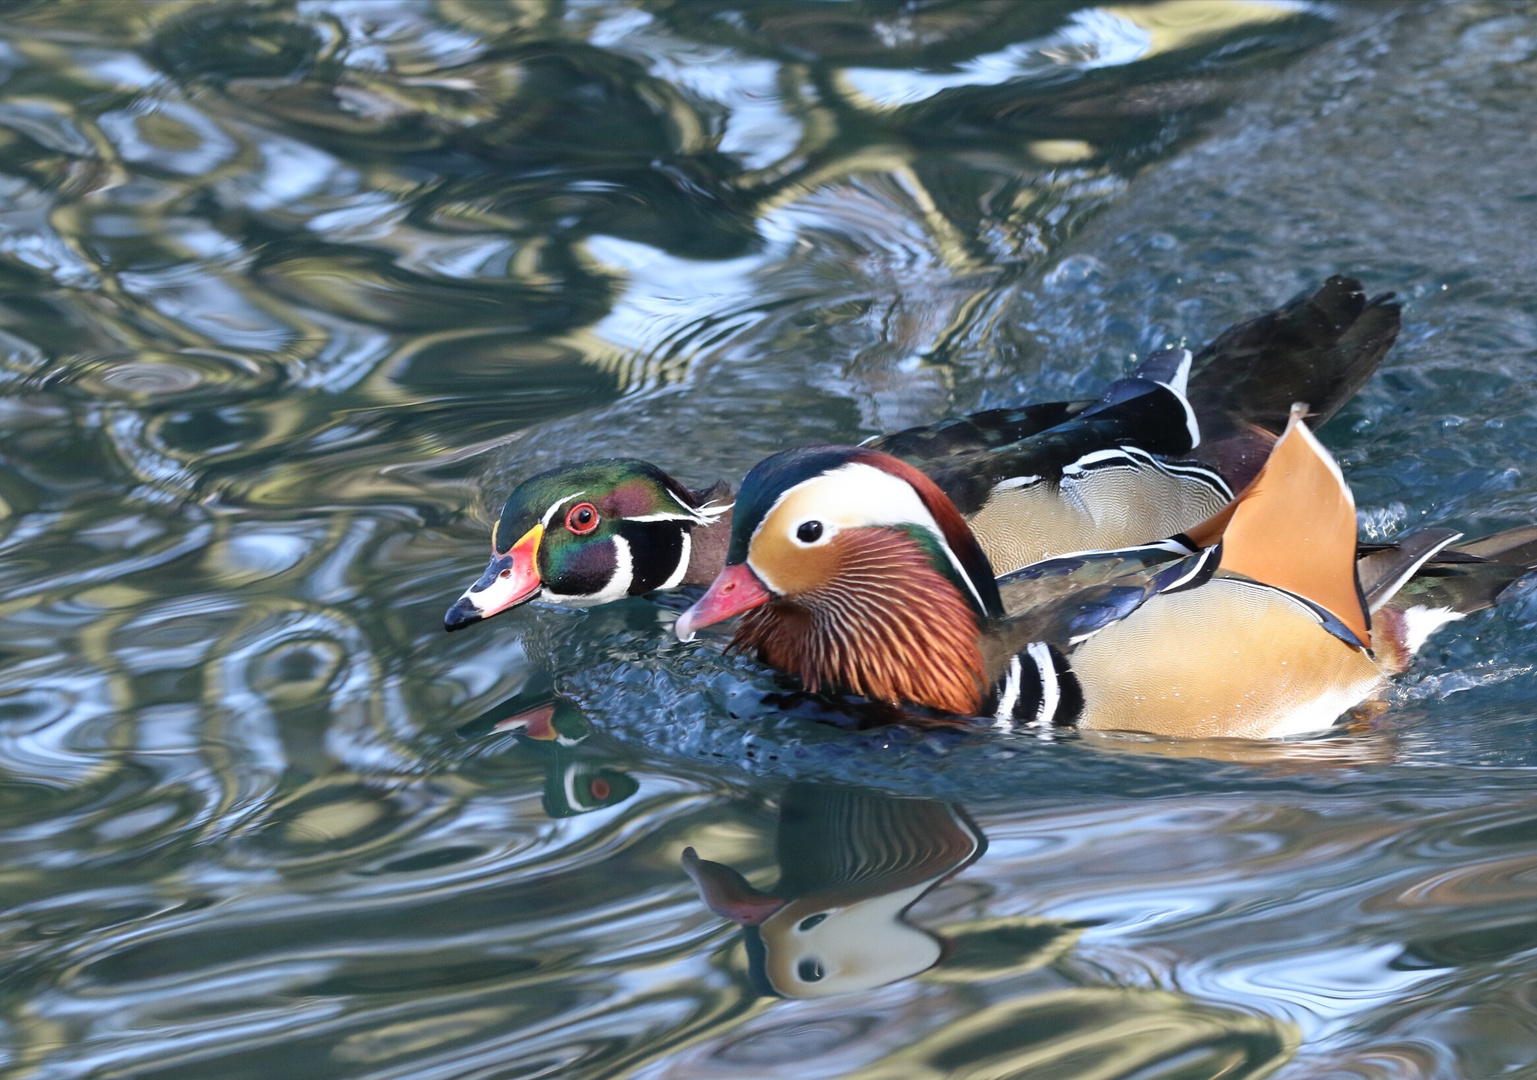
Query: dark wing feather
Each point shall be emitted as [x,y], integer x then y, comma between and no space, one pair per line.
[980,431]
[1475,576]
[1384,570]
[1052,579]
[1153,421]
[1319,348]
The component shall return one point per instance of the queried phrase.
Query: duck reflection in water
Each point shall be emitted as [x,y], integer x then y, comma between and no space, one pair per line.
[851,864]
[578,777]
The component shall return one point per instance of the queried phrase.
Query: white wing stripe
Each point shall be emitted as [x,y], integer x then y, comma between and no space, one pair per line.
[1051,693]
[1004,717]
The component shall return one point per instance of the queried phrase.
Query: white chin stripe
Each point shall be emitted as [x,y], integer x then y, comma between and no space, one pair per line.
[676,577]
[618,586]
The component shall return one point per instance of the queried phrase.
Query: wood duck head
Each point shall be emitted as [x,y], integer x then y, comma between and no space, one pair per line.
[855,572]
[587,534]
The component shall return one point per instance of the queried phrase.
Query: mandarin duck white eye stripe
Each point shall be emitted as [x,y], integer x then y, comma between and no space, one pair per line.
[856,495]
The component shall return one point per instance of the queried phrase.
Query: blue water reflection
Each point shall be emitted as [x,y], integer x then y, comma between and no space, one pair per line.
[292,294]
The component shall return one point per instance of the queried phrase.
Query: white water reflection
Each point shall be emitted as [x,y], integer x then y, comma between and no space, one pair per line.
[239,833]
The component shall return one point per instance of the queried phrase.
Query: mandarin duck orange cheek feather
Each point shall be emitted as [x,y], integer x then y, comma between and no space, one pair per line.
[1158,452]
[1264,631]
[858,574]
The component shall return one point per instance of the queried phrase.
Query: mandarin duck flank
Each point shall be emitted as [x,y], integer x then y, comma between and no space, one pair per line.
[854,572]
[1160,451]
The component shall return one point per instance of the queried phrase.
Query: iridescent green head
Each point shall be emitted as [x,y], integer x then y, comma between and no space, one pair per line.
[586,534]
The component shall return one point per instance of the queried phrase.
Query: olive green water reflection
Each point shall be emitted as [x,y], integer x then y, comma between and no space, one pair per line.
[290,294]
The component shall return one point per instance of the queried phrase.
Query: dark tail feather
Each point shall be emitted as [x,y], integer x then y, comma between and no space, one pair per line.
[1516,547]
[1320,349]
[1475,575]
[1383,569]
[980,431]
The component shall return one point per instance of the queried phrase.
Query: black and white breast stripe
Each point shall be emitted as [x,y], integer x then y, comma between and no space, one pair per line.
[661,550]
[1038,689]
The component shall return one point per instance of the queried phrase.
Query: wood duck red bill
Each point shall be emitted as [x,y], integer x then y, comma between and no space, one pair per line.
[1160,451]
[854,572]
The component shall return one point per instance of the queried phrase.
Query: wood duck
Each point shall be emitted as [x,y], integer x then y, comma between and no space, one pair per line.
[855,572]
[851,864]
[588,534]
[1161,450]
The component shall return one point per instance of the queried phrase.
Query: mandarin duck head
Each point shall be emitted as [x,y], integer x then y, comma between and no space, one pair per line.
[587,534]
[855,573]
[851,864]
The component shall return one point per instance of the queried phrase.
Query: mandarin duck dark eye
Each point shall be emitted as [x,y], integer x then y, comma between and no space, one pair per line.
[582,518]
[810,971]
[809,532]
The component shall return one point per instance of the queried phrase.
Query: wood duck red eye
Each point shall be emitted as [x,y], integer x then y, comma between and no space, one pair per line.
[582,518]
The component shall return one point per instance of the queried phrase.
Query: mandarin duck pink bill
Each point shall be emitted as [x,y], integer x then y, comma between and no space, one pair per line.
[854,572]
[1160,451]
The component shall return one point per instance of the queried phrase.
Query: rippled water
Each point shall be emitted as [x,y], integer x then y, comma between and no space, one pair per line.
[292,294]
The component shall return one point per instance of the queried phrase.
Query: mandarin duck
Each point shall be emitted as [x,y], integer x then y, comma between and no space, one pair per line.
[851,864]
[855,572]
[1159,451]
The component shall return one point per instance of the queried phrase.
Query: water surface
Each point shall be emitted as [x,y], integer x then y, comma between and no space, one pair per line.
[292,294]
